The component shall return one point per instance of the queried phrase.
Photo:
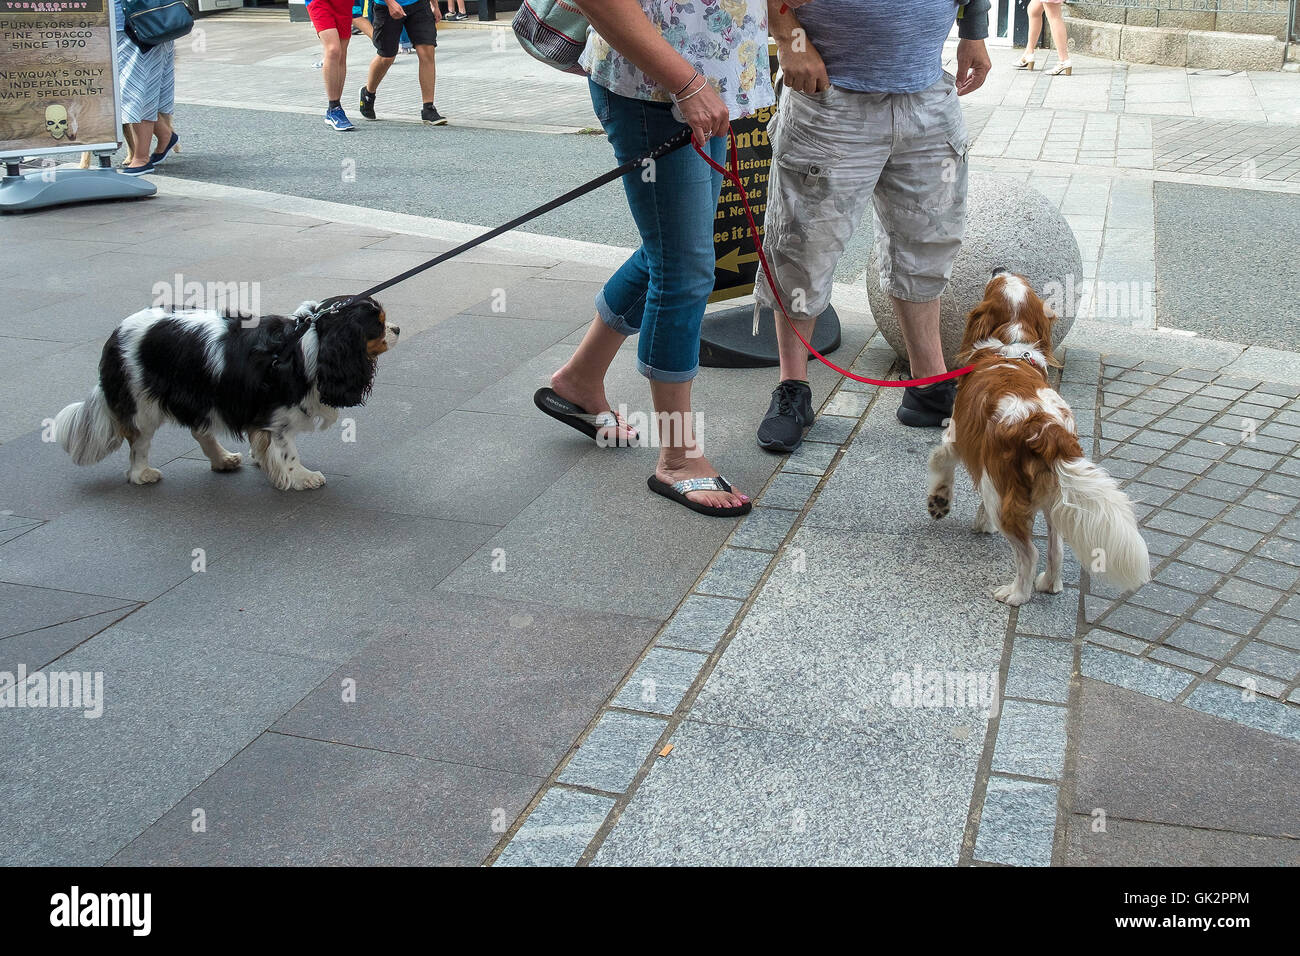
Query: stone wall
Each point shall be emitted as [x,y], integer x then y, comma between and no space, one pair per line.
[1170,37]
[1166,13]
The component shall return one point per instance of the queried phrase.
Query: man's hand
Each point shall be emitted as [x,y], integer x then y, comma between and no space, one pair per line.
[802,68]
[395,10]
[973,65]
[437,11]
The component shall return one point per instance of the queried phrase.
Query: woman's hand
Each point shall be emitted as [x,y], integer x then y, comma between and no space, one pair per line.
[704,113]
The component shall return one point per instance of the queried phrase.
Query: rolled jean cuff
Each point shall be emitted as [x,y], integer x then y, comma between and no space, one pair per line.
[615,321]
[659,375]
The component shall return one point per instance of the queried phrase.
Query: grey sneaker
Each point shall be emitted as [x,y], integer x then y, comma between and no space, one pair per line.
[788,415]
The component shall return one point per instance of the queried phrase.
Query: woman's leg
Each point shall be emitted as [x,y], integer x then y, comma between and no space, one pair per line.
[1035,13]
[141,142]
[1056,20]
[581,380]
[675,213]
[162,129]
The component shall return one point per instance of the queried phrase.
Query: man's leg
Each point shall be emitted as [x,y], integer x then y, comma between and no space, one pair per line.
[334,68]
[428,73]
[919,322]
[920,205]
[385,34]
[824,168]
[378,70]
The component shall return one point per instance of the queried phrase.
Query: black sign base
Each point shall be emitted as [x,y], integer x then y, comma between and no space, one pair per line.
[726,339]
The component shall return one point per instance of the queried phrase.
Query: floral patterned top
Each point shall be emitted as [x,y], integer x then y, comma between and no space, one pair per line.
[725,40]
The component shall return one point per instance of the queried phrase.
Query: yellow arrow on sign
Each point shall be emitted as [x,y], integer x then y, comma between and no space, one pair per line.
[733,260]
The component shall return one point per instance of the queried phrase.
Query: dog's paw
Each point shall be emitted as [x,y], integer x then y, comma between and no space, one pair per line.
[306,480]
[229,462]
[1008,595]
[939,503]
[1047,585]
[145,476]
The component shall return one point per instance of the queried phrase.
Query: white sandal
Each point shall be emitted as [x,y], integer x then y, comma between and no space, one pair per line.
[1064,68]
[1025,63]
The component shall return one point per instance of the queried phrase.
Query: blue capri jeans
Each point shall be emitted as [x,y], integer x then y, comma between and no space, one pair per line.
[661,291]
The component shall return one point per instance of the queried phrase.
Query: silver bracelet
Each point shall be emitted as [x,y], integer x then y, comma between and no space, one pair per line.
[682,99]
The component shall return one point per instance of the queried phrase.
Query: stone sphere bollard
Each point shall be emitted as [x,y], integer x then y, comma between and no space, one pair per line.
[1009,225]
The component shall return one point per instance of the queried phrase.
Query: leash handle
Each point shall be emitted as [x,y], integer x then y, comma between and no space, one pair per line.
[732,175]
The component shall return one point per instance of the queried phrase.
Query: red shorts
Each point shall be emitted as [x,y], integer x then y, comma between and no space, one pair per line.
[331,15]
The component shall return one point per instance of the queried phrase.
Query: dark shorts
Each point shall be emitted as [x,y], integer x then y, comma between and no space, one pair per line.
[420,25]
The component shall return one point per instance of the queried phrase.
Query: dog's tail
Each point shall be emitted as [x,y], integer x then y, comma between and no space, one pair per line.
[87,430]
[1096,520]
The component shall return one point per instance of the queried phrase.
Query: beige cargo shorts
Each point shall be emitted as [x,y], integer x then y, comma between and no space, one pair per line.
[833,151]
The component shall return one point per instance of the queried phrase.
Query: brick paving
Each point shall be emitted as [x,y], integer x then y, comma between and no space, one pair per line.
[1210,461]
[1240,150]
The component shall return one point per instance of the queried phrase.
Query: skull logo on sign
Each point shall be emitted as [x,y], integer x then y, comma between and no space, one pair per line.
[56,122]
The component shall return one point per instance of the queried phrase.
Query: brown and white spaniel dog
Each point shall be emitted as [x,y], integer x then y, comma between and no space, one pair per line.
[1016,437]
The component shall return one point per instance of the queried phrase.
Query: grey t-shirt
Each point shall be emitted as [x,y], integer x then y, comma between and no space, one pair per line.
[887,46]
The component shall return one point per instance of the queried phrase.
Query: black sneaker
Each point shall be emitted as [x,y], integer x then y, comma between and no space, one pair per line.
[928,406]
[788,415]
[367,103]
[431,116]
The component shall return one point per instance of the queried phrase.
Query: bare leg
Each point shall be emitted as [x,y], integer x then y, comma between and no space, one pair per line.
[1050,579]
[140,472]
[220,458]
[680,455]
[378,70]
[162,131]
[581,379]
[1035,13]
[425,54]
[365,26]
[794,357]
[1056,21]
[141,141]
[919,323]
[334,63]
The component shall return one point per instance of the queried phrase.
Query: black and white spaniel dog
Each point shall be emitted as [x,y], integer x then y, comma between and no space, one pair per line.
[217,372]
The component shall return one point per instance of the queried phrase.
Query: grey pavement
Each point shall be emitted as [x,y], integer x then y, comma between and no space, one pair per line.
[482,576]
[872,704]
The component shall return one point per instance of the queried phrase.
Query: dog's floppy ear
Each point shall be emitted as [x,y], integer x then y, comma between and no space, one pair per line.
[976,320]
[344,370]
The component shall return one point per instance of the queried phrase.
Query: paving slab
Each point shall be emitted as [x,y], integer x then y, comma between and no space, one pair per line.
[284,800]
[1144,759]
[35,649]
[558,830]
[503,685]
[177,706]
[1135,843]
[728,796]
[255,597]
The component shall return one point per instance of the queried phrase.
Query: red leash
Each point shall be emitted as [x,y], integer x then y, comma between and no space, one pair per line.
[732,175]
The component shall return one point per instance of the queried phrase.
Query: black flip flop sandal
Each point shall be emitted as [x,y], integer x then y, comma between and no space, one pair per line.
[584,421]
[678,490]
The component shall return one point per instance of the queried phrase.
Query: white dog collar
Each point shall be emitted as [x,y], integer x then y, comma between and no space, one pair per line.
[1016,350]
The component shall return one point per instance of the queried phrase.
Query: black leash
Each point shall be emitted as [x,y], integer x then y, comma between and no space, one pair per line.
[675,143]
